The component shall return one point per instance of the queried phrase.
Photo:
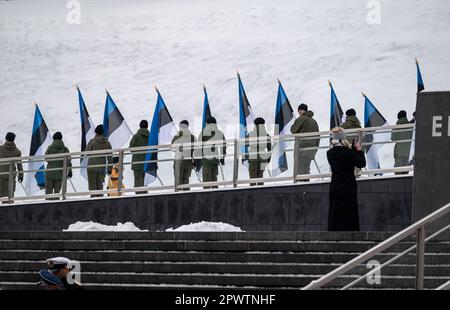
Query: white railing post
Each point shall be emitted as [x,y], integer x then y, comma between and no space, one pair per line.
[120,176]
[296,158]
[11,180]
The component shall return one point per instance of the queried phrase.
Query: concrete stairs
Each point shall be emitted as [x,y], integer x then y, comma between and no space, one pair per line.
[177,260]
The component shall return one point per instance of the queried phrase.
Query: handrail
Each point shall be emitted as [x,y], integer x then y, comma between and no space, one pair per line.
[241,141]
[416,227]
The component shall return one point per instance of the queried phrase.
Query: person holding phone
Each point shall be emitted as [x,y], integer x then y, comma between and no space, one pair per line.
[343,157]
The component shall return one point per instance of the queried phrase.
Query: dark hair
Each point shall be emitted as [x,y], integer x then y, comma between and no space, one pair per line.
[10,136]
[259,121]
[184,122]
[303,107]
[350,112]
[57,136]
[99,130]
[401,114]
[143,124]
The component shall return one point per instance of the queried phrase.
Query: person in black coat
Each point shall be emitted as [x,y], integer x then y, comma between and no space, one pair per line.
[343,157]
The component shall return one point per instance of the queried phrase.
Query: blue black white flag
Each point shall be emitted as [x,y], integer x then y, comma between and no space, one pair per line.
[40,140]
[246,118]
[115,126]
[161,132]
[87,132]
[206,109]
[336,113]
[284,118]
[373,118]
[420,85]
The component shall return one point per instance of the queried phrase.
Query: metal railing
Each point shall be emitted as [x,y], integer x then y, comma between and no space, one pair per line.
[418,228]
[165,157]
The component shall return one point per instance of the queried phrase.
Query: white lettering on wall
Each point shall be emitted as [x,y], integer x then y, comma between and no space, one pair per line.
[436,126]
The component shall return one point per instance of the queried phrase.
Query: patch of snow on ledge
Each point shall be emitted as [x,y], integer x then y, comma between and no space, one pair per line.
[206,226]
[93,226]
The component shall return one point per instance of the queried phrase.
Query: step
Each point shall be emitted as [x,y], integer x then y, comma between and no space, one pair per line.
[212,267]
[212,246]
[267,280]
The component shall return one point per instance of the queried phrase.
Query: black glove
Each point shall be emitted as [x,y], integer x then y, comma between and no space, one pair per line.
[70,174]
[20,178]
[222,161]
[109,170]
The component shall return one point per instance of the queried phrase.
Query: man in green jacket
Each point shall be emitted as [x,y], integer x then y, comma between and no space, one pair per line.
[184,150]
[213,150]
[138,140]
[259,150]
[304,124]
[401,149]
[53,178]
[9,150]
[96,175]
[351,121]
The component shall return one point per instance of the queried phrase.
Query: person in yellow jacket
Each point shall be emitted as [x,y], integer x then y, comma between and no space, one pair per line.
[113,181]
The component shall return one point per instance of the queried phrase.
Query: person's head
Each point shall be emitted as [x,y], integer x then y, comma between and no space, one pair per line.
[259,121]
[340,135]
[211,120]
[302,108]
[115,160]
[10,137]
[57,136]
[401,114]
[184,124]
[143,124]
[99,130]
[350,112]
[59,266]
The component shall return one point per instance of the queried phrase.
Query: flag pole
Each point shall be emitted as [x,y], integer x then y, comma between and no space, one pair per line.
[159,179]
[73,187]
[364,95]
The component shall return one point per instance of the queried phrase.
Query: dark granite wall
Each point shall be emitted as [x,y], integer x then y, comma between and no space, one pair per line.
[385,204]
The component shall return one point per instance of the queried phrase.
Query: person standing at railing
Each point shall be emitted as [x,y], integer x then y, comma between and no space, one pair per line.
[212,151]
[305,123]
[259,150]
[53,178]
[138,140]
[343,157]
[96,175]
[401,149]
[9,150]
[183,147]
[351,121]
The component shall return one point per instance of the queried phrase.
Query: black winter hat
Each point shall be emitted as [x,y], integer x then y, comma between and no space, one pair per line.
[184,122]
[57,136]
[401,114]
[350,112]
[99,130]
[303,107]
[10,136]
[143,124]
[211,120]
[259,121]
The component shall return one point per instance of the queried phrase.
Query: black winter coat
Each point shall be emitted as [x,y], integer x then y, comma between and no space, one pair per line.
[343,214]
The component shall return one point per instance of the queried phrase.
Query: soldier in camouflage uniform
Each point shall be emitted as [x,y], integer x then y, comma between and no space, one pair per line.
[183,147]
[53,178]
[259,150]
[139,139]
[9,150]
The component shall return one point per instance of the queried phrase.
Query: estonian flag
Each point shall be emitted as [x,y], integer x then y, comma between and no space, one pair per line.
[206,109]
[284,118]
[246,118]
[87,133]
[373,118]
[161,132]
[420,85]
[40,140]
[116,129]
[336,113]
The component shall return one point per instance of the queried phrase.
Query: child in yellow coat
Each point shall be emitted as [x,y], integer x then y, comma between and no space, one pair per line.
[113,182]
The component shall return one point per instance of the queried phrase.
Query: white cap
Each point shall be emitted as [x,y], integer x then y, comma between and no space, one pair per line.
[58,262]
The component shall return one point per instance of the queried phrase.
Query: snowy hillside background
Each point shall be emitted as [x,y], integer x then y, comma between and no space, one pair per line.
[130,46]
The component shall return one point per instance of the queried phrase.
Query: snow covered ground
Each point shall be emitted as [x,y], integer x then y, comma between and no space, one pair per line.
[93,226]
[130,46]
[206,226]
